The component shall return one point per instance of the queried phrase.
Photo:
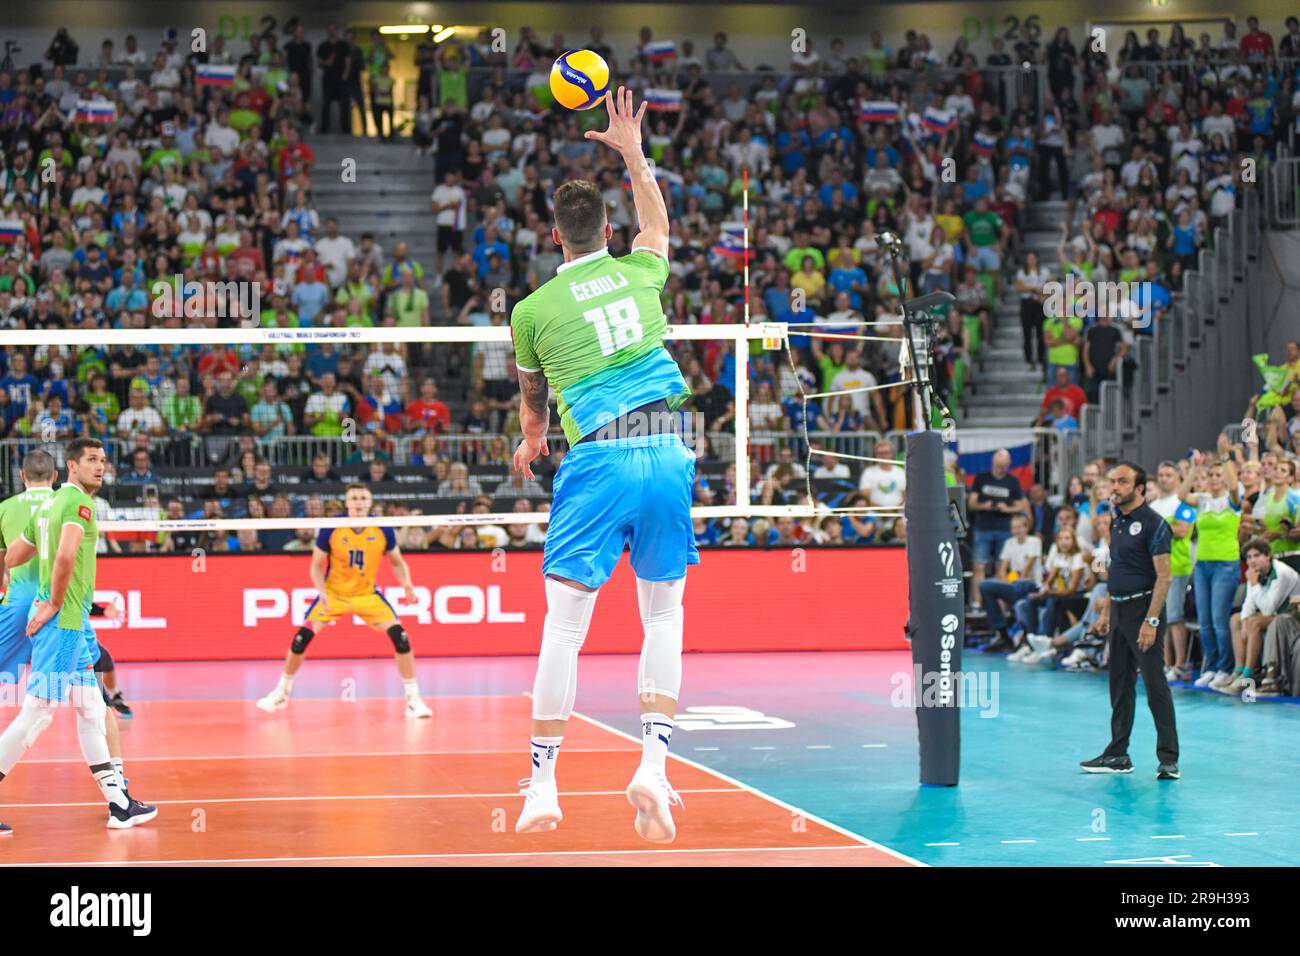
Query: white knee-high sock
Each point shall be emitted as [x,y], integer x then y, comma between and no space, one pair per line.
[568,616]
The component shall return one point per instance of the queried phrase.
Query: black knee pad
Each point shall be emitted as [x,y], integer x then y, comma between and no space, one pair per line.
[398,637]
[105,663]
[301,640]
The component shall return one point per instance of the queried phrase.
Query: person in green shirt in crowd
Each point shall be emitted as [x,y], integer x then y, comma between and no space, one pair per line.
[381,100]
[100,398]
[409,304]
[1062,335]
[56,151]
[400,263]
[183,413]
[1181,518]
[1081,266]
[166,154]
[1211,488]
[354,315]
[250,381]
[793,260]
[985,233]
[355,287]
[830,360]
[453,78]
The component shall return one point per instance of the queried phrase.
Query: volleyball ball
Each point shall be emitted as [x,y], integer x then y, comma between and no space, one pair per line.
[579,79]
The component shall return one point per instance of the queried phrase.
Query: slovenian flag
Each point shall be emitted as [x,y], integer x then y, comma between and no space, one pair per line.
[10,230]
[731,243]
[663,101]
[215,74]
[975,453]
[984,143]
[96,111]
[661,51]
[878,111]
[938,120]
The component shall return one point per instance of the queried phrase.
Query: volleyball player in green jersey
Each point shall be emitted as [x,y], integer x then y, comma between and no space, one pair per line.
[594,333]
[1218,561]
[37,474]
[1277,510]
[63,534]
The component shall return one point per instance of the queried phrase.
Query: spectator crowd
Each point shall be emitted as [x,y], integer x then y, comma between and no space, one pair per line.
[175,168]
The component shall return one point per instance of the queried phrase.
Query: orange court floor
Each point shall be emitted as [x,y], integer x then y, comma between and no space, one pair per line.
[328,782]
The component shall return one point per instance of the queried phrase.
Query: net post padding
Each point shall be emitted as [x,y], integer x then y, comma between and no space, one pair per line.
[936,610]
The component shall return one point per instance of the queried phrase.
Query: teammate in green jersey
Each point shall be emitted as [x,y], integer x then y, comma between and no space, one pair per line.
[63,534]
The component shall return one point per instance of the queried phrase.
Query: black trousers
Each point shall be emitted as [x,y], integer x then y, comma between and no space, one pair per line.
[1126,661]
[1031,328]
[1049,156]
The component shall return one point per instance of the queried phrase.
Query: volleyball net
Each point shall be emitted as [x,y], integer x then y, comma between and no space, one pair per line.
[732,448]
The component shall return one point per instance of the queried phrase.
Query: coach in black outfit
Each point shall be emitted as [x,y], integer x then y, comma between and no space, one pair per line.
[1134,615]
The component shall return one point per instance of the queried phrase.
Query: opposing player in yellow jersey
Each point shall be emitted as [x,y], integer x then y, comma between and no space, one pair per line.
[344,568]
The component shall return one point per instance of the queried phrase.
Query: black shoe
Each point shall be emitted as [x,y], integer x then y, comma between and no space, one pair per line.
[119,705]
[6,830]
[998,645]
[1167,771]
[132,815]
[1104,764]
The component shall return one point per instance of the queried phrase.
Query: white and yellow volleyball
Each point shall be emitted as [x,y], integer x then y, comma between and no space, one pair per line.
[579,79]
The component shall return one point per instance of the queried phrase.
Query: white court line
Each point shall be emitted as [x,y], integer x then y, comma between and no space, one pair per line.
[444,856]
[1240,834]
[943,844]
[703,749]
[759,793]
[1019,841]
[873,746]
[1092,839]
[762,748]
[352,756]
[818,747]
[1174,836]
[360,796]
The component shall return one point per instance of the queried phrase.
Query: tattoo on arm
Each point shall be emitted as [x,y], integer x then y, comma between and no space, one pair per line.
[533,391]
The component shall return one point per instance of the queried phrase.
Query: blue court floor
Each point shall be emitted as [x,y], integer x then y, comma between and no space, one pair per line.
[832,734]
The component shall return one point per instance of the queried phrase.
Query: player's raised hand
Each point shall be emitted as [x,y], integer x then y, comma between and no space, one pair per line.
[527,453]
[624,133]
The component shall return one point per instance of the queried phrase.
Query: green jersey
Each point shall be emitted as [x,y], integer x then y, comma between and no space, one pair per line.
[1067,353]
[596,330]
[1272,511]
[1217,522]
[15,514]
[67,506]
[1173,510]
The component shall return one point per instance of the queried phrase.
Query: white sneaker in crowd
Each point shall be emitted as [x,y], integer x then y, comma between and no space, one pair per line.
[1223,680]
